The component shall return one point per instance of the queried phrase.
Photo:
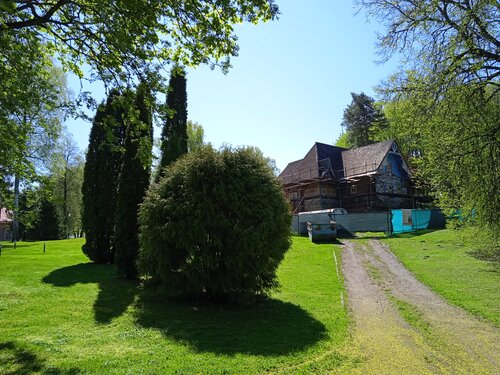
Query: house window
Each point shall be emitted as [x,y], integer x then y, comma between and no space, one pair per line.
[354,189]
[295,195]
[331,192]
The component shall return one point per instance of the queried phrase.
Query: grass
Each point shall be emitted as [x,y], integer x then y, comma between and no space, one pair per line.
[442,260]
[60,314]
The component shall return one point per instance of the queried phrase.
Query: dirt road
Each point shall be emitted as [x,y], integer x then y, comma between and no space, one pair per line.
[402,327]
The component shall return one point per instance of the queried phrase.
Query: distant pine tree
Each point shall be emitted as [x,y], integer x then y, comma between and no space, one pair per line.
[174,139]
[134,181]
[362,120]
[100,180]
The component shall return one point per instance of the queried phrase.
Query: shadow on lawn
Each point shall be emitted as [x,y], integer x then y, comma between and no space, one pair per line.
[269,328]
[17,360]
[115,294]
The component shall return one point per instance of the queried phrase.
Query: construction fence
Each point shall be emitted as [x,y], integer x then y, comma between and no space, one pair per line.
[395,221]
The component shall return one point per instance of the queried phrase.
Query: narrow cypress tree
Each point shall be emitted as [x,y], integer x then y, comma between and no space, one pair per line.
[174,133]
[100,178]
[134,181]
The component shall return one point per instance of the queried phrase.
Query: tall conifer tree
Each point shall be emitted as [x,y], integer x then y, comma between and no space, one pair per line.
[134,181]
[174,133]
[100,180]
[363,120]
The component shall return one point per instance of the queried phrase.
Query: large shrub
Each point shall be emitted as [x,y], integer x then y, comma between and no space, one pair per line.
[216,224]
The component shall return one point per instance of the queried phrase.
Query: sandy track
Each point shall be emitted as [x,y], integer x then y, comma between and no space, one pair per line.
[442,339]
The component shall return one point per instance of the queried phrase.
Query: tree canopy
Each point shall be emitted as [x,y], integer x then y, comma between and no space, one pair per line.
[446,40]
[120,39]
[134,181]
[100,179]
[174,136]
[362,120]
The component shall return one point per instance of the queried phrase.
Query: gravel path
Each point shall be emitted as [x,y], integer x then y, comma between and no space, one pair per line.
[402,327]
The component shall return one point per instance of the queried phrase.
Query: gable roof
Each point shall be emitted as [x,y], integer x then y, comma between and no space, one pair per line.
[321,160]
[324,160]
[365,159]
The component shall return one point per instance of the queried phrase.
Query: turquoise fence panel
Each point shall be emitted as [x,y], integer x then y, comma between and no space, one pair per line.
[397,221]
[404,221]
[420,219]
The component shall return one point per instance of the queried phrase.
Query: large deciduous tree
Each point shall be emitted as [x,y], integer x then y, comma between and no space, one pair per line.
[443,107]
[67,174]
[195,136]
[447,40]
[134,181]
[174,138]
[100,179]
[120,39]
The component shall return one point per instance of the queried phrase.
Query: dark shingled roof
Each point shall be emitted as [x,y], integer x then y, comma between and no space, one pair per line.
[322,159]
[365,159]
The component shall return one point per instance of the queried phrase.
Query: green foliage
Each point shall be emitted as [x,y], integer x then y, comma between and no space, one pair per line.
[29,124]
[134,181]
[195,136]
[448,41]
[100,177]
[66,173]
[216,223]
[133,37]
[47,225]
[455,147]
[363,120]
[174,137]
[343,141]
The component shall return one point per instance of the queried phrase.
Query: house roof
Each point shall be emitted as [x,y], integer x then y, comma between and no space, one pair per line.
[321,160]
[5,215]
[365,159]
[325,160]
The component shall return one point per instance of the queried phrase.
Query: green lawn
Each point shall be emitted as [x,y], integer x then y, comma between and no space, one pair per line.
[60,314]
[441,260]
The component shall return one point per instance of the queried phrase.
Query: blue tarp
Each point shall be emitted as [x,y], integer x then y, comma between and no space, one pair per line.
[416,219]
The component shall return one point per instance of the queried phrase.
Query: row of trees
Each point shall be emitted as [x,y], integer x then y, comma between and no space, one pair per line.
[118,167]
[120,44]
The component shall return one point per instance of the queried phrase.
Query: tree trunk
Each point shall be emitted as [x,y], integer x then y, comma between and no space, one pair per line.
[15,222]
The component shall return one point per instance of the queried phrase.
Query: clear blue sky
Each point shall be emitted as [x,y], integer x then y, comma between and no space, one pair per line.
[289,85]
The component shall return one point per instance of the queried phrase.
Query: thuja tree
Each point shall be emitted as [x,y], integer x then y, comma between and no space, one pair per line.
[100,178]
[134,180]
[217,225]
[47,225]
[174,139]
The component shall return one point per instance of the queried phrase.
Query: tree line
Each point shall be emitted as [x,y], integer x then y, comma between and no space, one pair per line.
[442,107]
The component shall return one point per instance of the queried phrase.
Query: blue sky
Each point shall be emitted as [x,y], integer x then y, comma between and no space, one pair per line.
[289,85]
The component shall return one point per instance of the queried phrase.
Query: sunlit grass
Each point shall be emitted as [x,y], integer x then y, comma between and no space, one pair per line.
[442,260]
[61,314]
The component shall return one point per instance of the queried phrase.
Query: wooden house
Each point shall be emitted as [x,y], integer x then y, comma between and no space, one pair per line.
[365,179]
[5,225]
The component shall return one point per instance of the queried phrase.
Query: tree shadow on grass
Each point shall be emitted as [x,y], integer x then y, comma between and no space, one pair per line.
[115,293]
[269,328]
[20,361]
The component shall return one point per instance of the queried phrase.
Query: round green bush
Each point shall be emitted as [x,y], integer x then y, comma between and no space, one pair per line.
[217,224]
